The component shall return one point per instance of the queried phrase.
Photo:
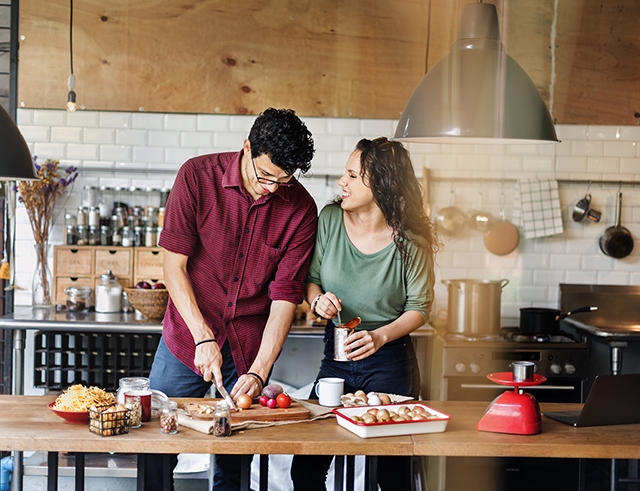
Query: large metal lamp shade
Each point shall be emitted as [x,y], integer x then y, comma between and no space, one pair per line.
[15,158]
[477,93]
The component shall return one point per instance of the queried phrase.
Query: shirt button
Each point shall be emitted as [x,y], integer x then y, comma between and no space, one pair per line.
[235,279]
[241,255]
[246,230]
[230,304]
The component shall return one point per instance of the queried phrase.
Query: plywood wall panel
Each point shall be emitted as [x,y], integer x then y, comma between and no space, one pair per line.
[321,57]
[336,58]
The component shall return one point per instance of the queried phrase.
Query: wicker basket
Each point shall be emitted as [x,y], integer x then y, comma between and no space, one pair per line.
[152,303]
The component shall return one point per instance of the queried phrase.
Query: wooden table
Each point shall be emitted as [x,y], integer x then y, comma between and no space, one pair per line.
[27,424]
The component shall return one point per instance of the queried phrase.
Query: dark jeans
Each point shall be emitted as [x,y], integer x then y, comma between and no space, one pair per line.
[392,369]
[172,377]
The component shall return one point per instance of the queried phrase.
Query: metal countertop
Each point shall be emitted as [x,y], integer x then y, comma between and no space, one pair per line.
[52,320]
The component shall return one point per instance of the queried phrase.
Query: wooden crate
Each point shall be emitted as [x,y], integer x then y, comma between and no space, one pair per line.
[148,264]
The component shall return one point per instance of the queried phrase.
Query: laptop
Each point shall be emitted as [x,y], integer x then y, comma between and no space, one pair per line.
[612,400]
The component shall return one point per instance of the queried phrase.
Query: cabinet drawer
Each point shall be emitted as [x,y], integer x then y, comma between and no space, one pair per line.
[63,282]
[69,261]
[118,259]
[149,263]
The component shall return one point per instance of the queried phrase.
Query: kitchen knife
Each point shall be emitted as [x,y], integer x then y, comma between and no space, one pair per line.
[227,397]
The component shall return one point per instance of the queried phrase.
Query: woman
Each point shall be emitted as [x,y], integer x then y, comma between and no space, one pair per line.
[373,258]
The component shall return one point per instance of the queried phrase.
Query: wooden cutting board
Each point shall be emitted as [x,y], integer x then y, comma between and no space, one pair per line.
[203,409]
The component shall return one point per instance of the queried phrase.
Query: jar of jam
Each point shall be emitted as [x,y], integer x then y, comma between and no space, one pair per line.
[78,298]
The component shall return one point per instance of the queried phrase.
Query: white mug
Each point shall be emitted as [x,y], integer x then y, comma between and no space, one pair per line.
[329,391]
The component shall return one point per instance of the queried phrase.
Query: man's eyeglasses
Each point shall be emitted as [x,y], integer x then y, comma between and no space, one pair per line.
[270,182]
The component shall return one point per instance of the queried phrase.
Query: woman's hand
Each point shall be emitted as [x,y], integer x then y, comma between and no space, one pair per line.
[361,344]
[327,305]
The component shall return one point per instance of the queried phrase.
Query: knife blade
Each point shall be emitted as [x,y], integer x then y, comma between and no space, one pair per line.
[227,397]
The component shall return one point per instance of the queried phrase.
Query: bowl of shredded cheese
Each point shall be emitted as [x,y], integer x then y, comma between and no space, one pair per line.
[73,404]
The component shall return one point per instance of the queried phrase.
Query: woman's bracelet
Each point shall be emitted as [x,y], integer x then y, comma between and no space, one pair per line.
[314,304]
[210,340]
[258,377]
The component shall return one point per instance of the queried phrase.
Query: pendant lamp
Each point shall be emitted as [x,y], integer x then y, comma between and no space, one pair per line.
[477,93]
[15,158]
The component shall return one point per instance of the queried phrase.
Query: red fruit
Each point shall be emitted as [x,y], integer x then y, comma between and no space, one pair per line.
[283,400]
[263,400]
[271,404]
[143,285]
[158,286]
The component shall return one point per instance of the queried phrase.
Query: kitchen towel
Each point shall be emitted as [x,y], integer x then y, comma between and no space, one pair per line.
[537,207]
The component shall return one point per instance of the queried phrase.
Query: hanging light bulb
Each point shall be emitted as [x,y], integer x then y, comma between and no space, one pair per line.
[71,97]
[71,81]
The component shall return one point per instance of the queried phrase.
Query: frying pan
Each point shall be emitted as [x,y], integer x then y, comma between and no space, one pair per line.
[535,320]
[617,241]
[451,218]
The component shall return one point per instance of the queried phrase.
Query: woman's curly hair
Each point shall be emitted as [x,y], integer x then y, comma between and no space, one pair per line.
[387,169]
[284,138]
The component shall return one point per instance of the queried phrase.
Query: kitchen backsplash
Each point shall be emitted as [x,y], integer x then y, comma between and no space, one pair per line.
[145,150]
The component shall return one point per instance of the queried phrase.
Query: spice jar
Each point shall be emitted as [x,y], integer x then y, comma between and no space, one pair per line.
[169,418]
[131,383]
[78,298]
[222,419]
[108,293]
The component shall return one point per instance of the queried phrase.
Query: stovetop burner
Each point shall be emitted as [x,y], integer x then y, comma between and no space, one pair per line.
[454,336]
[510,335]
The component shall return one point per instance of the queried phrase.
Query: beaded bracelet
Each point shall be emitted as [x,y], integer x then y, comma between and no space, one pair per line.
[210,340]
[255,375]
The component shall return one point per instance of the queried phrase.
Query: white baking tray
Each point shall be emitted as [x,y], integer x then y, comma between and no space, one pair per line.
[390,428]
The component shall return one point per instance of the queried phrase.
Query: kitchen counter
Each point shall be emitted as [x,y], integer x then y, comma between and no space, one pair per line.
[52,320]
[27,424]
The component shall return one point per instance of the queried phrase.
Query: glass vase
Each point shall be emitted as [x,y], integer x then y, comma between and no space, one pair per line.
[42,283]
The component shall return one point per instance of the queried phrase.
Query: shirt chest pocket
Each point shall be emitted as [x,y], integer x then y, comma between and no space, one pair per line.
[267,259]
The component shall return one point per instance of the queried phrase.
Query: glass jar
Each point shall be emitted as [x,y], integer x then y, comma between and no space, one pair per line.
[134,405]
[150,237]
[105,235]
[108,293]
[81,217]
[78,298]
[131,383]
[222,419]
[83,235]
[169,418]
[71,237]
[94,235]
[127,237]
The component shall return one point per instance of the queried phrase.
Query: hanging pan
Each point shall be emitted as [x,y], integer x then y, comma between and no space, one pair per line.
[617,241]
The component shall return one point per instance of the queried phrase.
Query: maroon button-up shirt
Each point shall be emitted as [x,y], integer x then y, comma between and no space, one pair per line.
[243,254]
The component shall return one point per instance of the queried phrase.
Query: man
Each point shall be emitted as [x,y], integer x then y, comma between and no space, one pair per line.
[238,234]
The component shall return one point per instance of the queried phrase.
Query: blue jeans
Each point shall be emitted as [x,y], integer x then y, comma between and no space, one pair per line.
[392,369]
[171,376]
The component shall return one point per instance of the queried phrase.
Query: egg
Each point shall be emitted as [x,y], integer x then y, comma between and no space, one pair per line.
[374,400]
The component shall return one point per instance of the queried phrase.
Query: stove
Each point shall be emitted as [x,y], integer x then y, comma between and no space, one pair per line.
[461,365]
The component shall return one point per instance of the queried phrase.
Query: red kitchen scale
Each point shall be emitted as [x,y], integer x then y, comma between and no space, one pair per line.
[514,411]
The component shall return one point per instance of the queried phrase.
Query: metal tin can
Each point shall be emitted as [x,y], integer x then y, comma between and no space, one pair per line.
[340,335]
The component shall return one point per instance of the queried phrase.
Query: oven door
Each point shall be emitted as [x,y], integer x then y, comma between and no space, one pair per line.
[480,389]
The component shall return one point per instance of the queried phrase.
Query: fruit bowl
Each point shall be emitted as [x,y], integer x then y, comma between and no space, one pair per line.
[152,303]
[73,417]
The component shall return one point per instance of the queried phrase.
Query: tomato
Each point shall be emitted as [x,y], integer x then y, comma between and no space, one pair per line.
[283,400]
[244,401]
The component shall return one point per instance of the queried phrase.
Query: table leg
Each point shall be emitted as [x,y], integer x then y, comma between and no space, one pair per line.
[371,473]
[338,473]
[80,471]
[245,472]
[142,465]
[264,473]
[167,473]
[351,465]
[52,471]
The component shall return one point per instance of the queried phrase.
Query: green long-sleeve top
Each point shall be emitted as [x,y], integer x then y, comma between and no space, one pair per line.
[377,287]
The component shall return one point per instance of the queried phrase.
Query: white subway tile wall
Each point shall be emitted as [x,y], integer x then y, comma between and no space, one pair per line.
[118,148]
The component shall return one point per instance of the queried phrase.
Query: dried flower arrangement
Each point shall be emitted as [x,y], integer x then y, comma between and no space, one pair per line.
[41,199]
